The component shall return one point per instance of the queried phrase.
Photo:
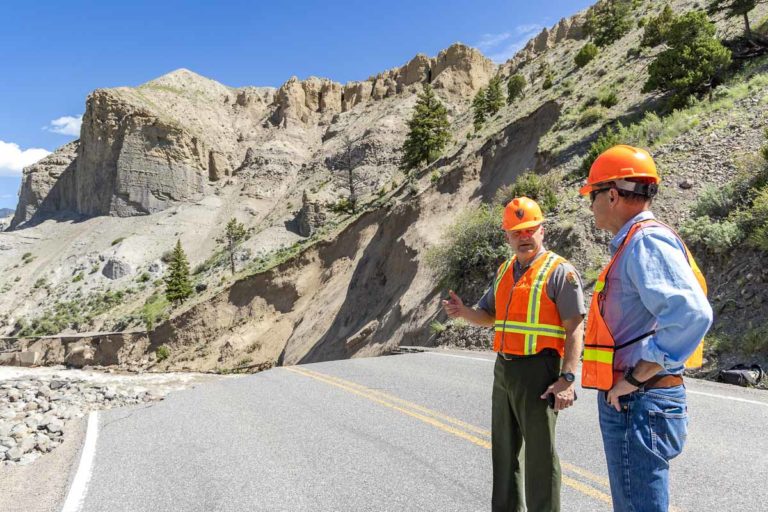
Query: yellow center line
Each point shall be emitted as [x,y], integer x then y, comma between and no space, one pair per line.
[394,399]
[425,419]
[466,426]
[387,401]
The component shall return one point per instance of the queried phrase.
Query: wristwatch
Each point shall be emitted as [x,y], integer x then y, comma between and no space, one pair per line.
[631,379]
[568,376]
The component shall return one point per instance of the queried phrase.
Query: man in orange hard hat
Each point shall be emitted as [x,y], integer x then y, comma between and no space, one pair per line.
[536,305]
[648,316]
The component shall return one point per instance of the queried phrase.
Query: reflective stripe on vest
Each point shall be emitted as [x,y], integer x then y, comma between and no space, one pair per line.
[527,320]
[599,344]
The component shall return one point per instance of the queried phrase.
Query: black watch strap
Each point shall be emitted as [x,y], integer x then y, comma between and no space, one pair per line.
[632,380]
[568,376]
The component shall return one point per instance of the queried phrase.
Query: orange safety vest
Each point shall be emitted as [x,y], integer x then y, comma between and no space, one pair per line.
[597,369]
[527,321]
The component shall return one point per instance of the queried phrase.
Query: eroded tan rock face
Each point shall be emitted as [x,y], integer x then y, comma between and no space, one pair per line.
[133,162]
[171,140]
[48,186]
[459,70]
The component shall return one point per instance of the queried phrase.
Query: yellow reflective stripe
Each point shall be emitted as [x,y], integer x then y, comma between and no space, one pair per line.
[531,333]
[601,356]
[533,301]
[503,271]
[599,285]
[554,331]
[523,325]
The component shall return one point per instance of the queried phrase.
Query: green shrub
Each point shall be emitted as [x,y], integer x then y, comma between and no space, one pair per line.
[78,277]
[715,202]
[470,252]
[548,82]
[26,256]
[343,205]
[144,277]
[714,236]
[757,223]
[588,52]
[434,177]
[539,188]
[606,140]
[590,116]
[162,353]
[118,240]
[437,327]
[608,98]
[40,283]
[515,87]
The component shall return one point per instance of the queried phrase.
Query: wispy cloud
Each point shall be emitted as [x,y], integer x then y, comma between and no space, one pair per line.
[13,159]
[501,47]
[489,41]
[66,125]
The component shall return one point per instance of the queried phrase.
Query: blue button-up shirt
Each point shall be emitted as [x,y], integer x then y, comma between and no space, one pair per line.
[652,286]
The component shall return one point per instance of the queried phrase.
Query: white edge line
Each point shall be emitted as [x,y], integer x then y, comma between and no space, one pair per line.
[689,391]
[79,486]
[460,357]
[735,399]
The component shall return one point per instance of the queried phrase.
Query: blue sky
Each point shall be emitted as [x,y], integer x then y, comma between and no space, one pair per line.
[55,52]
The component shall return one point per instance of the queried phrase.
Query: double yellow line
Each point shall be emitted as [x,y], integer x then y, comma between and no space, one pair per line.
[456,427]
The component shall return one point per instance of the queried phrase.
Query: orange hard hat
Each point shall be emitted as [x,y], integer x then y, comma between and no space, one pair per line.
[621,162]
[521,213]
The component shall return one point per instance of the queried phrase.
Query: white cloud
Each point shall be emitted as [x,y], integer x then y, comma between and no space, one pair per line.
[13,159]
[501,47]
[66,125]
[489,41]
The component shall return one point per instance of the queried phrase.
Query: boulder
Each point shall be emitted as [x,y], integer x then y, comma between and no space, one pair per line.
[116,268]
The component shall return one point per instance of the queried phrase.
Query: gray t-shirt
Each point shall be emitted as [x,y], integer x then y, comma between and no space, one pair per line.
[564,287]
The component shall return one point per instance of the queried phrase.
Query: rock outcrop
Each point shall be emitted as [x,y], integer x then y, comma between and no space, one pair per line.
[311,216]
[548,38]
[48,186]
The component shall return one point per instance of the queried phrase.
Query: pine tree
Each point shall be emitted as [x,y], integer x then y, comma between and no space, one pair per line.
[178,287]
[608,21]
[693,60]
[479,109]
[515,87]
[734,8]
[657,30]
[494,96]
[234,233]
[427,131]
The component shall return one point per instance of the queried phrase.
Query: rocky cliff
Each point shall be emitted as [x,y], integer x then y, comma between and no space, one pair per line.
[169,141]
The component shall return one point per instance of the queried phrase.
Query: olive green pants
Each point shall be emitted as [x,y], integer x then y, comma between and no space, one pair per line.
[526,469]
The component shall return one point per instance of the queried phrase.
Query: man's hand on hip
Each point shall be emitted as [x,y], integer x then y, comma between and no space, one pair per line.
[621,388]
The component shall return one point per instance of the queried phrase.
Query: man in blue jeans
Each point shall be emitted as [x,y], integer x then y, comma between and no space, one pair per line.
[648,316]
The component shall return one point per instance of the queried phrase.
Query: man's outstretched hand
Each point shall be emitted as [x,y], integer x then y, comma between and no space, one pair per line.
[454,306]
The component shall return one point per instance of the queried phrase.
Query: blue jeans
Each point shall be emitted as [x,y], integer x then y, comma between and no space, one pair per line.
[639,442]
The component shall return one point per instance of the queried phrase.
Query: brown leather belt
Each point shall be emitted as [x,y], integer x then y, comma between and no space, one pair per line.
[663,381]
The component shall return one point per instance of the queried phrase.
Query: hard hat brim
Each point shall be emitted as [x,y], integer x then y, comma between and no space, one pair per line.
[524,225]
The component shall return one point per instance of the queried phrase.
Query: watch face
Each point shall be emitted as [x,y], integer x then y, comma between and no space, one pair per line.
[569,376]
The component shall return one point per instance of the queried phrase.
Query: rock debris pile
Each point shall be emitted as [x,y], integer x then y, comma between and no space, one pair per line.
[35,406]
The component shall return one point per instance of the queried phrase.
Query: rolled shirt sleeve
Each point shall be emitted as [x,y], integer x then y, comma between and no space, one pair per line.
[668,288]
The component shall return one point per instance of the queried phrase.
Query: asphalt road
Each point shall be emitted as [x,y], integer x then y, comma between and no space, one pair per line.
[404,432]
